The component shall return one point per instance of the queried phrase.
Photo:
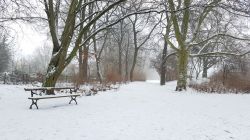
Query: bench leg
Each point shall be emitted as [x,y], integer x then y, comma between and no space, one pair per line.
[73,98]
[34,102]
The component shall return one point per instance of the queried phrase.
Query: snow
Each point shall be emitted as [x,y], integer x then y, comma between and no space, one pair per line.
[137,111]
[52,70]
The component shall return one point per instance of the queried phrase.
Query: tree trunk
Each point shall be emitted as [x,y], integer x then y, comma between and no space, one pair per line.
[163,65]
[165,49]
[126,64]
[126,59]
[120,40]
[120,59]
[136,49]
[53,72]
[4,78]
[205,68]
[80,72]
[51,80]
[97,58]
[86,47]
[99,75]
[133,65]
[85,63]
[182,70]
[204,73]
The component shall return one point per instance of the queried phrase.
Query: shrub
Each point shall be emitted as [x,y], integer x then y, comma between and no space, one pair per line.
[113,76]
[233,82]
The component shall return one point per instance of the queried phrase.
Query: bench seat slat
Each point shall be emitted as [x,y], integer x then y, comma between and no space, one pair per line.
[53,96]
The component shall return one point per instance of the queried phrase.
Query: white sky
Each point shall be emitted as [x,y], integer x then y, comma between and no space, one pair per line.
[28,39]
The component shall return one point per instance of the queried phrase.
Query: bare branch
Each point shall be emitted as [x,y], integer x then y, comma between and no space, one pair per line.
[214,36]
[171,44]
[150,33]
[216,54]
[166,58]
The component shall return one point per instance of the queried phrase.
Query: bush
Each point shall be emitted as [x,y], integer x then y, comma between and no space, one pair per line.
[113,76]
[233,82]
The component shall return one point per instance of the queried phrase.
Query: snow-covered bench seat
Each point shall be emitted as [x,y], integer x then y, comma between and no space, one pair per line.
[34,99]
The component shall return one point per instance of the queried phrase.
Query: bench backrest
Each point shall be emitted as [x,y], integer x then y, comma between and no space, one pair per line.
[48,88]
[45,89]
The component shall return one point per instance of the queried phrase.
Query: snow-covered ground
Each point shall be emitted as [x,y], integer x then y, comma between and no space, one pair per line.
[137,111]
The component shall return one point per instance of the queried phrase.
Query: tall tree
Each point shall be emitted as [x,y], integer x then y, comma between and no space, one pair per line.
[186,37]
[61,54]
[139,42]
[165,48]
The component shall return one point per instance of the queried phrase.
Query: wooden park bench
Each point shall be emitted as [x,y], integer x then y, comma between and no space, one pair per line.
[35,91]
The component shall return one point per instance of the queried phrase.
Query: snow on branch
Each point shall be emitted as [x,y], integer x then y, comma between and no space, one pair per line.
[87,18]
[220,35]
[215,54]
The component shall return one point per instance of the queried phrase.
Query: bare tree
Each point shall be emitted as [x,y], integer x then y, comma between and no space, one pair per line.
[136,22]
[61,56]
[98,53]
[165,48]
[186,39]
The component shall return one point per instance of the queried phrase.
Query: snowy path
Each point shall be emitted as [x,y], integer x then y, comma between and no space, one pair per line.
[137,111]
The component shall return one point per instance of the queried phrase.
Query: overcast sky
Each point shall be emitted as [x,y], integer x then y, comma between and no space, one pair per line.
[27,38]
